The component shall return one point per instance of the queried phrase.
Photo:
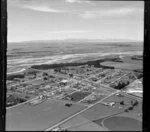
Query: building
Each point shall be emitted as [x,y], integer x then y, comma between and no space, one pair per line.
[63,82]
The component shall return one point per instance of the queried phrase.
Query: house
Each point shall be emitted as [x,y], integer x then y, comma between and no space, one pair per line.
[112,103]
[109,103]
[63,82]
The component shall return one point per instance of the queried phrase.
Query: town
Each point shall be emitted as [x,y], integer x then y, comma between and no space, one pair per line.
[84,85]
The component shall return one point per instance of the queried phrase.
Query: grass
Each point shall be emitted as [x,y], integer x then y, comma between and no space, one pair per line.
[77,96]
[99,111]
[122,124]
[125,65]
[90,101]
[38,117]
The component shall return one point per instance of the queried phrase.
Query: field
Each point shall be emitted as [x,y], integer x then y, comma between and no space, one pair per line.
[38,117]
[99,111]
[127,66]
[93,98]
[77,96]
[75,87]
[122,124]
[104,118]
[80,123]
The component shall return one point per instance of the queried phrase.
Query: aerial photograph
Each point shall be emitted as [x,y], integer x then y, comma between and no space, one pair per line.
[74,65]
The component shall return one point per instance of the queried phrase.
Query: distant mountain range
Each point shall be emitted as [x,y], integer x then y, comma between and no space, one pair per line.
[79,41]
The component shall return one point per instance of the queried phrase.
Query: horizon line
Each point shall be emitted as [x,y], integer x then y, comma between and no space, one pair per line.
[101,40]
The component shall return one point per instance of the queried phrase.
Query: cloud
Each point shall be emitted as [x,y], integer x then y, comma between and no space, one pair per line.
[77,1]
[88,14]
[67,31]
[36,5]
[109,12]
[43,8]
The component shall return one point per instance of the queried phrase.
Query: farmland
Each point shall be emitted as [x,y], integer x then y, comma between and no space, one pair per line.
[55,95]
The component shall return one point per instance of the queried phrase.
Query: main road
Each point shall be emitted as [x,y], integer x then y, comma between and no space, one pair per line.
[56,125]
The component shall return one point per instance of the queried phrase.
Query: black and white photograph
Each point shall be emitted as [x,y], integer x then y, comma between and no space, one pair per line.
[74,65]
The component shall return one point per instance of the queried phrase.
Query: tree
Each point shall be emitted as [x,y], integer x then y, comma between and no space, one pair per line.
[122,84]
[71,75]
[13,89]
[45,74]
[51,76]
[34,75]
[126,110]
[45,78]
[122,103]
[130,108]
[134,103]
[57,69]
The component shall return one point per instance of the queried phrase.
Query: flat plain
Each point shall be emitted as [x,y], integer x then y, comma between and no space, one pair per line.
[74,90]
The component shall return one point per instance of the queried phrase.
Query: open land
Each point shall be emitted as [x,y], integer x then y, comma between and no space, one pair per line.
[76,92]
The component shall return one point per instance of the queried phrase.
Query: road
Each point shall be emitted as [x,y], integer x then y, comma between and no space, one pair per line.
[48,129]
[93,120]
[68,86]
[55,89]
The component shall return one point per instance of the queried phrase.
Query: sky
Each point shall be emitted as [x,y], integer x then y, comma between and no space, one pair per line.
[74,19]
